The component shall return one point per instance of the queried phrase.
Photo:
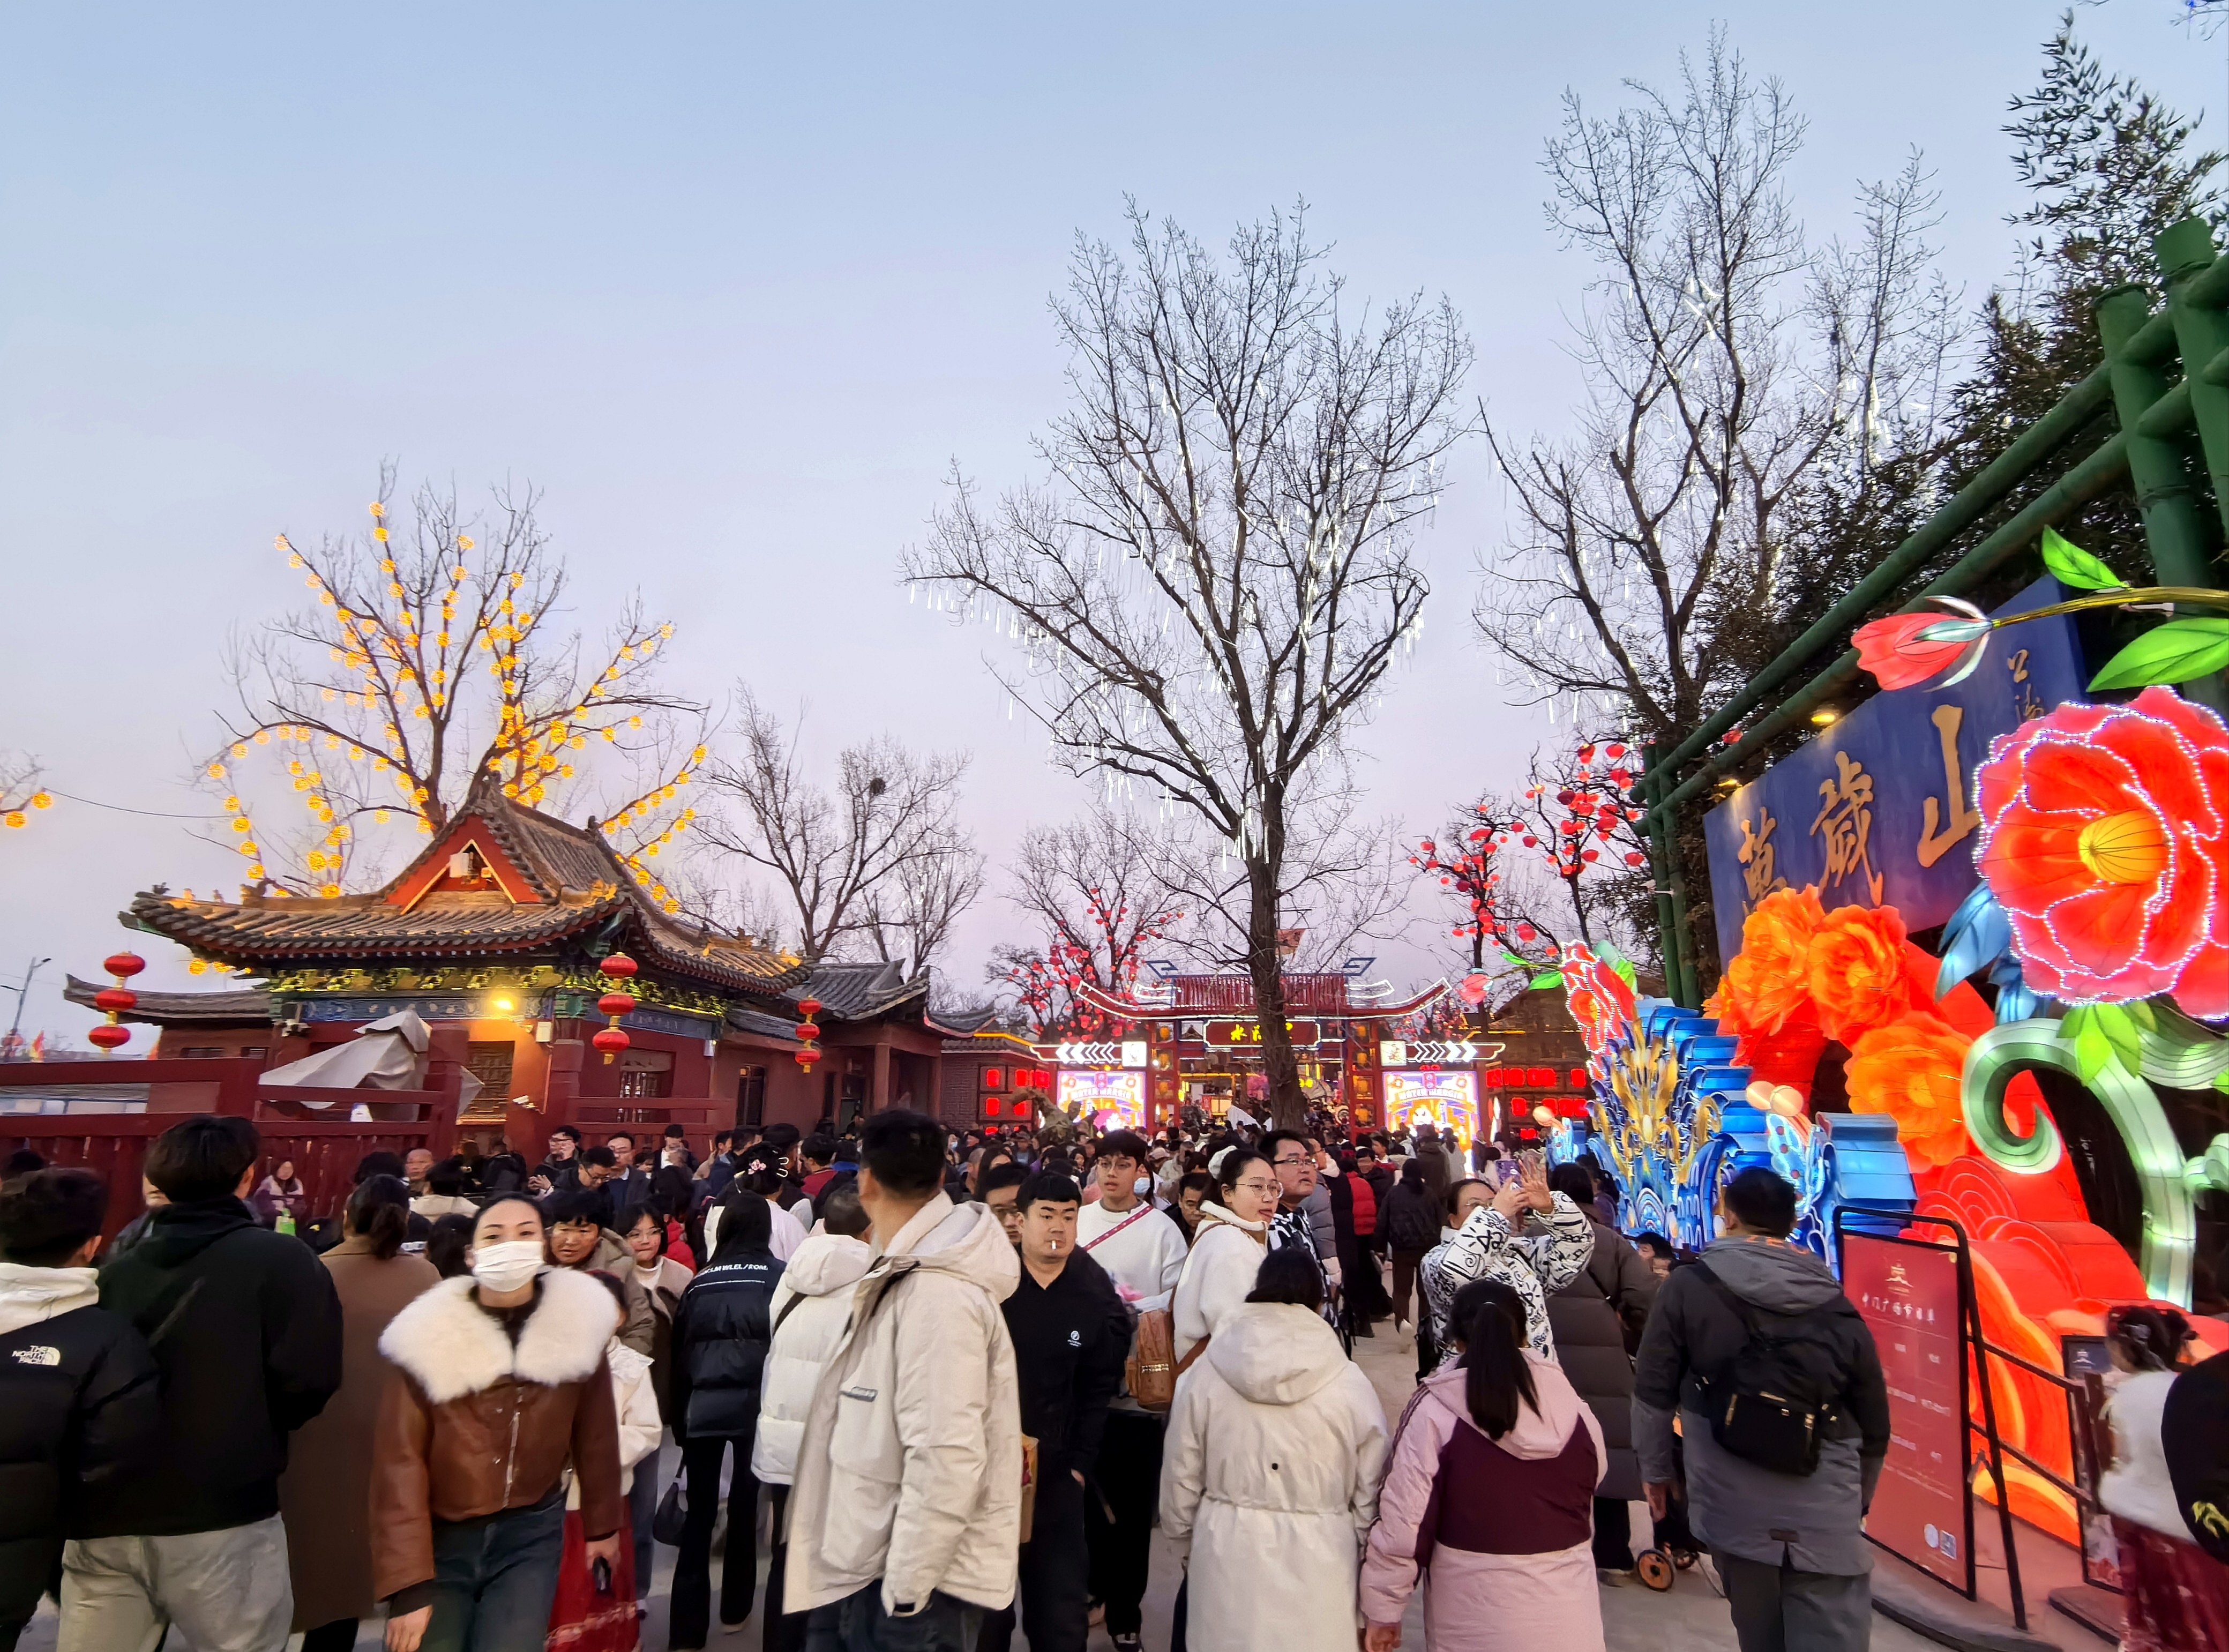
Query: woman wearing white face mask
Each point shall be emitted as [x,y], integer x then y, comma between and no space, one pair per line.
[500,1377]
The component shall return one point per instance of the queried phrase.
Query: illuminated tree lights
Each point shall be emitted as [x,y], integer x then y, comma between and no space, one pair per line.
[384,720]
[2105,839]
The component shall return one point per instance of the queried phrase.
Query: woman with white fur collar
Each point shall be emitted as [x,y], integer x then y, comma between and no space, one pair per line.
[500,1377]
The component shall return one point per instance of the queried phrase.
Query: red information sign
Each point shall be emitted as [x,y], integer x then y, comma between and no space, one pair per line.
[1909,1295]
[1231,1035]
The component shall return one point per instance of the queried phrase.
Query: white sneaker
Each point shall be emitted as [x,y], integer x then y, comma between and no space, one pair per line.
[1612,1578]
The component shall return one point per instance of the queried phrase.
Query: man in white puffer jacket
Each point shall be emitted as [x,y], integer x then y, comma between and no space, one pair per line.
[905,1520]
[810,1308]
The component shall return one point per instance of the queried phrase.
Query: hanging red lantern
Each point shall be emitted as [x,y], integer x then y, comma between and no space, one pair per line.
[121,966]
[611,1040]
[806,1056]
[808,1007]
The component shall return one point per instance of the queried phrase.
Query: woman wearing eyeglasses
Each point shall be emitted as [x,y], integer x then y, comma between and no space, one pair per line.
[1227,1248]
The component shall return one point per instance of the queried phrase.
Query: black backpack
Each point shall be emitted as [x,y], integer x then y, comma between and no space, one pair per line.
[1771,1403]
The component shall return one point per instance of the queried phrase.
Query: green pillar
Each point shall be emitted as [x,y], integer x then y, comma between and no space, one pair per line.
[1680,979]
[2201,333]
[2174,532]
[2181,555]
[1660,871]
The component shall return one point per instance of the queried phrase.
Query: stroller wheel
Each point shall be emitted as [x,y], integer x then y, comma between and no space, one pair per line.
[1655,1567]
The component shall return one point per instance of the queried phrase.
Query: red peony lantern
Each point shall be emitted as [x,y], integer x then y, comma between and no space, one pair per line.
[2105,839]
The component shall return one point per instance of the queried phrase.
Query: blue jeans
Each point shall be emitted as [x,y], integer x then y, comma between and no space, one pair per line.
[858,1623]
[494,1579]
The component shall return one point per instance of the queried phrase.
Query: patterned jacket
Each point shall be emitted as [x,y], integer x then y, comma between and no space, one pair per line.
[1535,1264]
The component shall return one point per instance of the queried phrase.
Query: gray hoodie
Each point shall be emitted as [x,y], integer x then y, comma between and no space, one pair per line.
[1815,1522]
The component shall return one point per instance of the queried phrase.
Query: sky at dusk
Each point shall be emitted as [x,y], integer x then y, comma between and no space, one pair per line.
[734,285]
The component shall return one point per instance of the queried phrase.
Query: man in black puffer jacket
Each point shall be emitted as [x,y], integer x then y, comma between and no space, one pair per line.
[78,1402]
[721,1331]
[246,1328]
[1071,1334]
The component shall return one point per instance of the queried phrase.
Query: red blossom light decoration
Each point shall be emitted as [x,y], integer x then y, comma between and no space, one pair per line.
[2105,839]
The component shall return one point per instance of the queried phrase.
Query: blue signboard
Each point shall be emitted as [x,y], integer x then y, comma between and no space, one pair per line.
[1877,809]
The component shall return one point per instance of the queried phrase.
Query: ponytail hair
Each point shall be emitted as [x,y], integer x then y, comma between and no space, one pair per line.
[379,1210]
[1497,1380]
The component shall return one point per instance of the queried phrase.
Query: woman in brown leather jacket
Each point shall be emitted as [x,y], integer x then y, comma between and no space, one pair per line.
[500,1377]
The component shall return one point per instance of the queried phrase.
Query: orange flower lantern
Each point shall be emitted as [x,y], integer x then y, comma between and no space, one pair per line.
[110,1036]
[612,1038]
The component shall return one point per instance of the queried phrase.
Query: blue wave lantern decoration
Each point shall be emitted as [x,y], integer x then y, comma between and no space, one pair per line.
[1672,1120]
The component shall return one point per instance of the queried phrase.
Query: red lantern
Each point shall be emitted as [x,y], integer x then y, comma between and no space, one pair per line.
[115,997]
[611,1040]
[808,1007]
[615,1004]
[806,1056]
[124,965]
[109,1037]
[618,964]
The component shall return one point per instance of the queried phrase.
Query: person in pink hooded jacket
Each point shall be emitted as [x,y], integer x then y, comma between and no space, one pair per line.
[1489,1493]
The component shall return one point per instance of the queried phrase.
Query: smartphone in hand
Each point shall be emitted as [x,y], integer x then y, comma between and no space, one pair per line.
[602,1572]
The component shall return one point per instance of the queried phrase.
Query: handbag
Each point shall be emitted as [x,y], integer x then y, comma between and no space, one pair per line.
[1029,1485]
[673,1512]
[1151,1372]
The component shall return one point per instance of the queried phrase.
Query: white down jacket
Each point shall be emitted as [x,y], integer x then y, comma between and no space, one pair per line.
[1275,1446]
[910,1467]
[1219,1274]
[818,1279]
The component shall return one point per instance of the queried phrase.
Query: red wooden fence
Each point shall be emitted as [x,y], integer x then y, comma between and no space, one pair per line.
[325,1144]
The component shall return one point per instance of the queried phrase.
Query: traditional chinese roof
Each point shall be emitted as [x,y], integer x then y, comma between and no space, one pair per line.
[538,883]
[247,1006]
[858,991]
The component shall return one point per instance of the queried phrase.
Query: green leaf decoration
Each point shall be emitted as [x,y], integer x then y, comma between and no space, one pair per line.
[1548,978]
[1522,963]
[2092,1052]
[2076,567]
[2221,1081]
[2174,652]
[2140,1010]
[2122,1033]
[1627,973]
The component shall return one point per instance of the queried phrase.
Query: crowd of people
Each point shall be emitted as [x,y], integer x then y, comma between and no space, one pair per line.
[972,1374]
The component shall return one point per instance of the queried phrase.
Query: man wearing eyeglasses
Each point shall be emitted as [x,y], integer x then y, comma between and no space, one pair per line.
[1292,1228]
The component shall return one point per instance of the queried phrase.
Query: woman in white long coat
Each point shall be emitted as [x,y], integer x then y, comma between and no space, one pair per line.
[1269,1475]
[1227,1248]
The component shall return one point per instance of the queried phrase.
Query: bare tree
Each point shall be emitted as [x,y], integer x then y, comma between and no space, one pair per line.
[1341,883]
[20,788]
[1210,583]
[1731,366]
[911,914]
[427,663]
[893,816]
[1096,892]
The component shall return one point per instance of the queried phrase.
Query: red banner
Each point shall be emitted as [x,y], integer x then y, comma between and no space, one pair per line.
[1909,1295]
